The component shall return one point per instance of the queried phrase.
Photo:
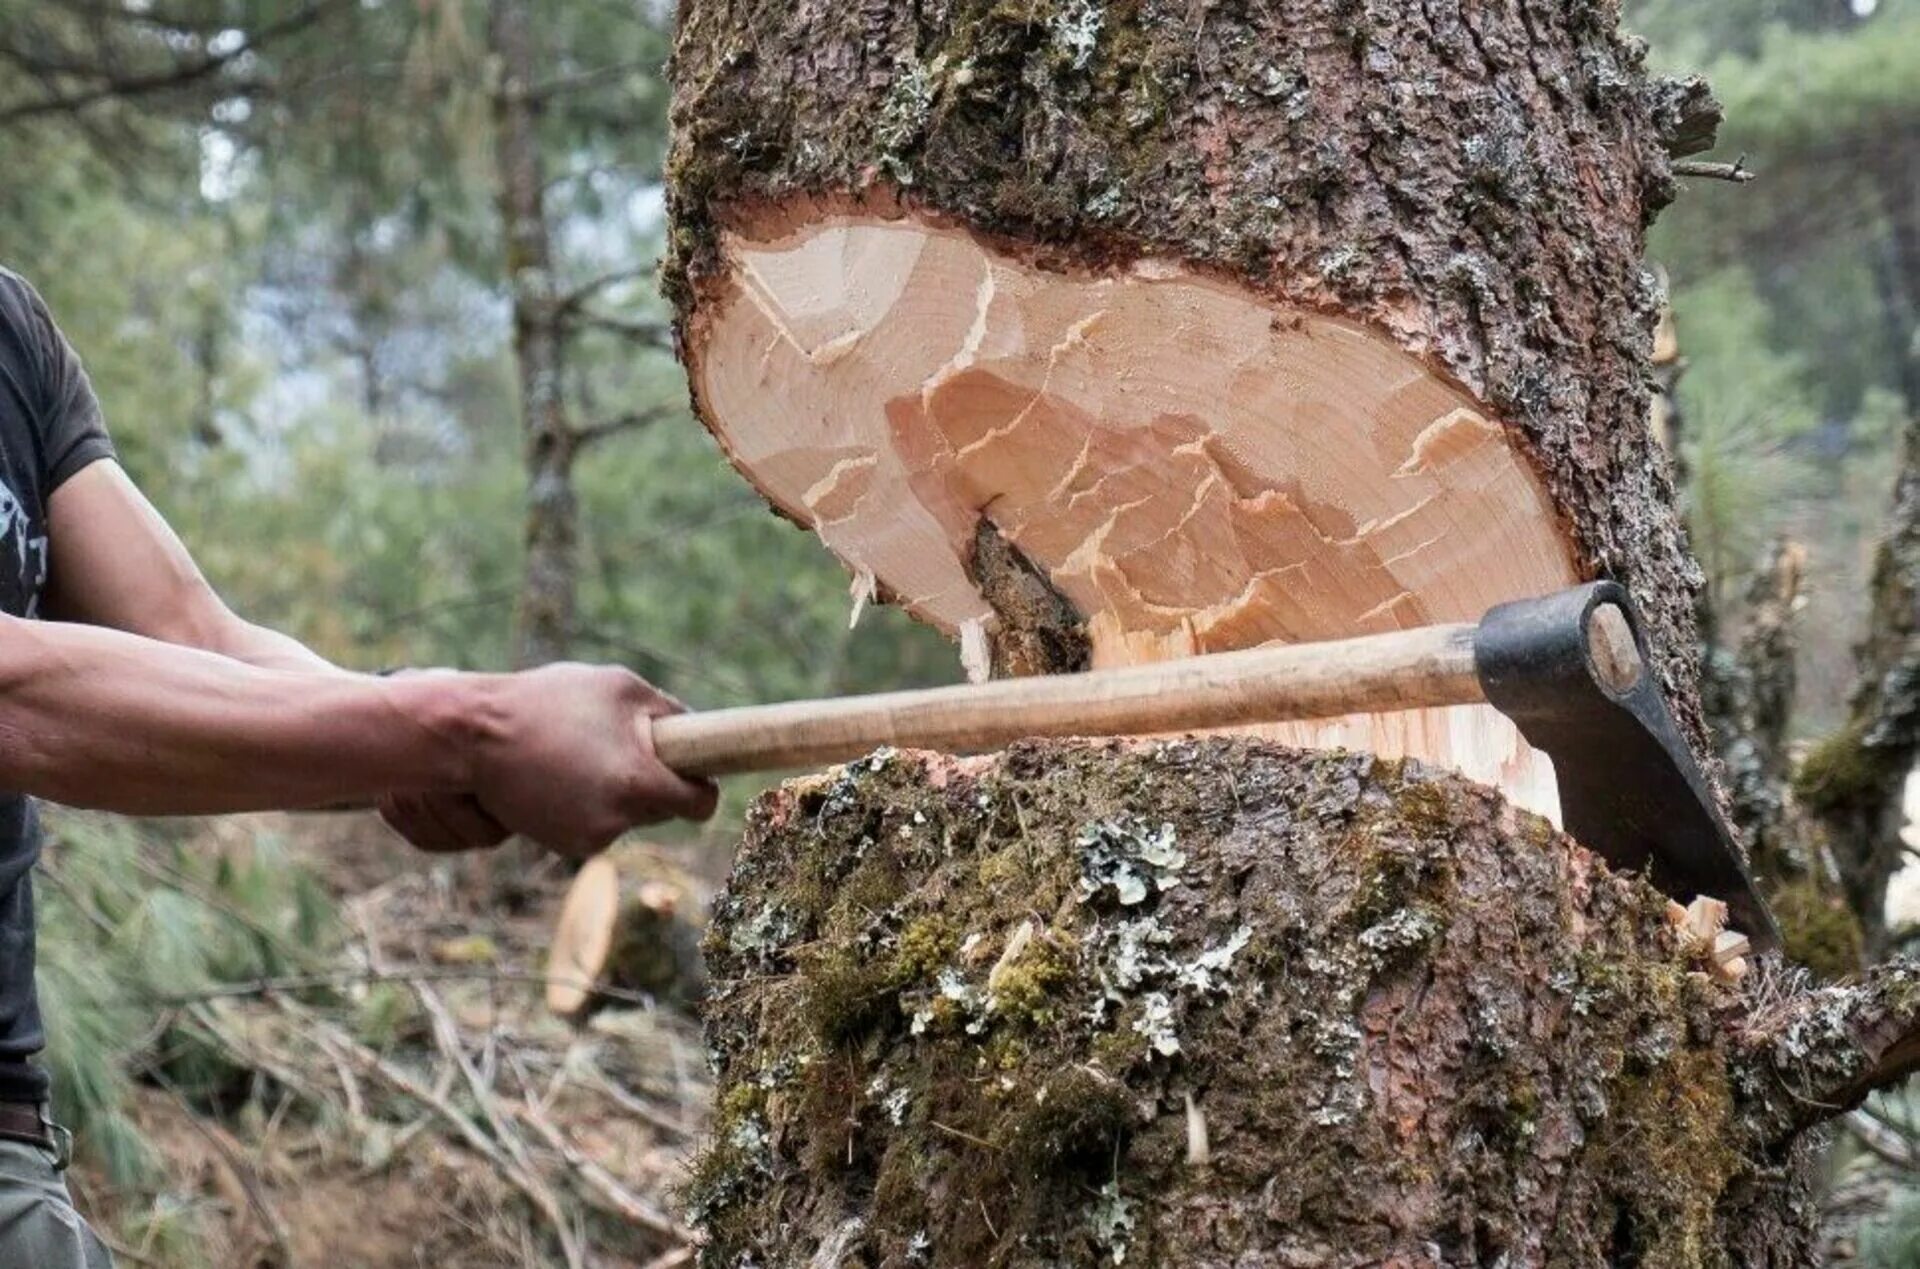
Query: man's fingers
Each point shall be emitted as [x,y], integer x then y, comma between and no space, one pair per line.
[660,704]
[406,816]
[676,797]
[463,820]
[672,794]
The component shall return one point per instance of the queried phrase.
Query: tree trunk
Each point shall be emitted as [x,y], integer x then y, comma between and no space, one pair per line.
[543,625]
[1289,323]
[1223,1003]
[1102,332]
[1852,784]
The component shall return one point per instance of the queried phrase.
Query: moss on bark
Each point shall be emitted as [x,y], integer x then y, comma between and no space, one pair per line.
[962,1011]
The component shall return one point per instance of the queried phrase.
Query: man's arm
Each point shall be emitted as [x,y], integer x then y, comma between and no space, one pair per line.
[118,563]
[165,702]
[103,719]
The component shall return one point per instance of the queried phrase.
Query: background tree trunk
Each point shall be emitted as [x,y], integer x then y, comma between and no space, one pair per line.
[1852,784]
[544,618]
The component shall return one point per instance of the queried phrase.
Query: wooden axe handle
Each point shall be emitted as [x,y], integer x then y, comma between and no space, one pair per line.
[1410,669]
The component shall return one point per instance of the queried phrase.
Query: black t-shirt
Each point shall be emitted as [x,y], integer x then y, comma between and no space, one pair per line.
[50,427]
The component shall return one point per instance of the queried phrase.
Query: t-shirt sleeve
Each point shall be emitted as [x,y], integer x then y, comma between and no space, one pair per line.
[73,430]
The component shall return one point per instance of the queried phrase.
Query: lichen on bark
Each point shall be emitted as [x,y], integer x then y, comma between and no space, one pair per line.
[962,1009]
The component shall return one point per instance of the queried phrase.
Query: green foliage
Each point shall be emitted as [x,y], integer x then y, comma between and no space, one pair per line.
[1894,1241]
[134,917]
[1742,401]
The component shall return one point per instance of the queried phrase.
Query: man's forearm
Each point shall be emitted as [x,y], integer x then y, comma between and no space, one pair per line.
[268,649]
[100,719]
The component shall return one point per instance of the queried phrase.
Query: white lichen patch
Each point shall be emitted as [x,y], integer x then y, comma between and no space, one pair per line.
[764,933]
[1135,957]
[1206,972]
[904,113]
[1111,1220]
[1129,858]
[1156,1024]
[1407,928]
[1076,30]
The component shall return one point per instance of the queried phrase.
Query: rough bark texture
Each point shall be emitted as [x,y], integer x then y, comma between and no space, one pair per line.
[1225,1003]
[1472,180]
[1852,783]
[543,624]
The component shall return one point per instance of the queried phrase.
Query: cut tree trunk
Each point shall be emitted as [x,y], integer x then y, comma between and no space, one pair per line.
[1219,1002]
[1285,322]
[1096,333]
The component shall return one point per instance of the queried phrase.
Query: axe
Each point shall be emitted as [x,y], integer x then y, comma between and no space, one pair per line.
[1570,670]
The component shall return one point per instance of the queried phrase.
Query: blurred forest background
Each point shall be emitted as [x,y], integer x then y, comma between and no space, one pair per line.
[367,287]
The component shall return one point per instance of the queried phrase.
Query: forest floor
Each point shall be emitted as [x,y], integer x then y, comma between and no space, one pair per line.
[427,1109]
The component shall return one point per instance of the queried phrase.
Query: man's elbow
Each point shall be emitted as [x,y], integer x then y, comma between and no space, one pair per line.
[196,617]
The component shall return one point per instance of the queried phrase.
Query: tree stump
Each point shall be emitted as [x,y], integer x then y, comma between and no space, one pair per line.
[631,924]
[1221,1002]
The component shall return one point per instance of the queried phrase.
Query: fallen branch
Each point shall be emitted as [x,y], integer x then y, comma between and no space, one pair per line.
[262,988]
[600,1185]
[531,1187]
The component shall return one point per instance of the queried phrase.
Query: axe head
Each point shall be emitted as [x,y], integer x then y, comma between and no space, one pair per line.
[1572,671]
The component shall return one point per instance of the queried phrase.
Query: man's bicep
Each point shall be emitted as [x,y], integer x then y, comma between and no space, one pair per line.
[114,561]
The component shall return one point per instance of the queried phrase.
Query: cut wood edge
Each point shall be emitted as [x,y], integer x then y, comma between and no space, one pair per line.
[1702,927]
[1194,466]
[583,937]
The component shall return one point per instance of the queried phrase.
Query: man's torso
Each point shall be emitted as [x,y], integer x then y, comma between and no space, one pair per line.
[24,491]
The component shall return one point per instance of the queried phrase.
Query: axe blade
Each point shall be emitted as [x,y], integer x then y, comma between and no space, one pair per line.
[1571,670]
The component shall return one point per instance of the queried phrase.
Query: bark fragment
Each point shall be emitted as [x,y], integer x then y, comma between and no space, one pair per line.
[1039,631]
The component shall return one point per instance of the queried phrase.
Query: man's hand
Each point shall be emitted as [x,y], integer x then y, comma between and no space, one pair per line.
[565,758]
[442,823]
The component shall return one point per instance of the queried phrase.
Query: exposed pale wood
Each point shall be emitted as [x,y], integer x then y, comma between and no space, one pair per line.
[583,936]
[1702,926]
[1410,670]
[1615,654]
[630,921]
[1196,468]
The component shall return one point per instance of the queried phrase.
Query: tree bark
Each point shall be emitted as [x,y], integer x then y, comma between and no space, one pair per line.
[1223,1003]
[544,618]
